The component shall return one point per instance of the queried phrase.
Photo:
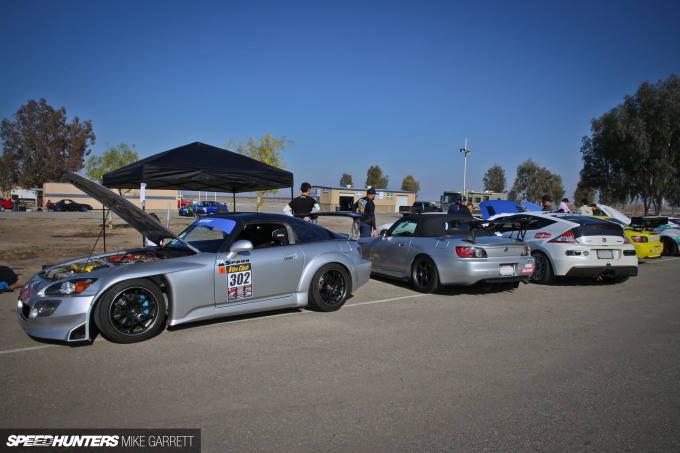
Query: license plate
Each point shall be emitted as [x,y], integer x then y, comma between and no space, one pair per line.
[507,269]
[605,254]
[656,250]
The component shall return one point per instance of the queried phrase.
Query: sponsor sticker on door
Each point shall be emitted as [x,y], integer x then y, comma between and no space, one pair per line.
[239,281]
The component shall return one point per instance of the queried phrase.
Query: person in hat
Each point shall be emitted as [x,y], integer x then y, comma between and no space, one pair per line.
[302,204]
[456,207]
[547,203]
[564,205]
[366,207]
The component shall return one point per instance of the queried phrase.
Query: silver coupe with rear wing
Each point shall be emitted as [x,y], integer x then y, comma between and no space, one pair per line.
[220,265]
[431,250]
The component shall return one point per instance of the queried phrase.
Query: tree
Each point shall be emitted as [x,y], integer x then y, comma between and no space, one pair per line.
[375,178]
[584,192]
[409,184]
[532,182]
[114,158]
[494,179]
[41,146]
[634,149]
[268,150]
[346,180]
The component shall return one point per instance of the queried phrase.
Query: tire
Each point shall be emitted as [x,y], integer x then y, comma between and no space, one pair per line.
[424,276]
[57,208]
[543,273]
[329,288]
[131,311]
[2,208]
[84,209]
[670,247]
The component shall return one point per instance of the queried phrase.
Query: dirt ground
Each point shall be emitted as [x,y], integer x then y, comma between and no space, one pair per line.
[31,240]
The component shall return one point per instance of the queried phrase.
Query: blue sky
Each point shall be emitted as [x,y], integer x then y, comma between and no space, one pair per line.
[399,84]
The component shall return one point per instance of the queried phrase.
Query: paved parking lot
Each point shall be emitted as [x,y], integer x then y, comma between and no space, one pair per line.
[571,367]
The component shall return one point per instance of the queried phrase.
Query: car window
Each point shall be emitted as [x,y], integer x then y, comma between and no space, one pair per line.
[263,235]
[404,228]
[307,232]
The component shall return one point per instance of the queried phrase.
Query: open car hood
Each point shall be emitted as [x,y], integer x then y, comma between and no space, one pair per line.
[529,206]
[134,216]
[611,212]
[492,207]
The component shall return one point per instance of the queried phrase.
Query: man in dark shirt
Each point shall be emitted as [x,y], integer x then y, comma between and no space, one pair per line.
[366,208]
[547,203]
[302,204]
[455,207]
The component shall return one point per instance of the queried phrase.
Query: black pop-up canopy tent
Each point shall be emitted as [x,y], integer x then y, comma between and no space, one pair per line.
[198,166]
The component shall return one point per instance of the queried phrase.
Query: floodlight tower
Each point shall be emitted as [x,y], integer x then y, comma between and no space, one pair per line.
[466,152]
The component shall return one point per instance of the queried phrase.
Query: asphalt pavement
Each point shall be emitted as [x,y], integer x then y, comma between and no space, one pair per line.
[575,366]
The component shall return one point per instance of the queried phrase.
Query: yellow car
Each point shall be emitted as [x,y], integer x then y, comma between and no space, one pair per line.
[640,233]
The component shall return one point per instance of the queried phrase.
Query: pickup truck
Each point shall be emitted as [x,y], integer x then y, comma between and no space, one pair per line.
[418,208]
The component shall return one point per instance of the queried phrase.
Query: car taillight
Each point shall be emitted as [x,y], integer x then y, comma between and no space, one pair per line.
[471,252]
[638,239]
[625,240]
[565,238]
[359,249]
[526,251]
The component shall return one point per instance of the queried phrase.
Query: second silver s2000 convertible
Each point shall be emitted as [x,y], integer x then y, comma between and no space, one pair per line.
[431,250]
[220,265]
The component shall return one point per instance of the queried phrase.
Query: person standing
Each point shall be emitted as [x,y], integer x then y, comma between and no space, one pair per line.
[470,207]
[455,207]
[547,203]
[366,207]
[584,209]
[302,204]
[564,205]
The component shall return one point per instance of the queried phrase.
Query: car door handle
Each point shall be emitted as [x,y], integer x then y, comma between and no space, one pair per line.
[402,244]
[289,257]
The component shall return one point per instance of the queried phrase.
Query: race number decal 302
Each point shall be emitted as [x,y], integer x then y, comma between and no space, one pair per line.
[239,281]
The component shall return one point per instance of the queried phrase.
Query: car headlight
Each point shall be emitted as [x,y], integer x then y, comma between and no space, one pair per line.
[43,308]
[70,287]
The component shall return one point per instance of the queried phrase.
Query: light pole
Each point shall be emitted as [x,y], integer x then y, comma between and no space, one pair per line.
[466,152]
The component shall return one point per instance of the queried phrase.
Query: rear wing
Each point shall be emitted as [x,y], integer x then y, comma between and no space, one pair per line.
[519,224]
[354,232]
[648,222]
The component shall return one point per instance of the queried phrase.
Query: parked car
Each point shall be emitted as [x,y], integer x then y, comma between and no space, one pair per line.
[568,244]
[670,236]
[220,265]
[431,250]
[68,205]
[5,204]
[419,207]
[640,231]
[202,208]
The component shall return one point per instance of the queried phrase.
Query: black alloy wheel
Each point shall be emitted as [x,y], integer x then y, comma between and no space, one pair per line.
[131,311]
[424,276]
[329,288]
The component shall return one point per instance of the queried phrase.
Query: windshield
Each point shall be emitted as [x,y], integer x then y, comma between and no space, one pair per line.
[205,234]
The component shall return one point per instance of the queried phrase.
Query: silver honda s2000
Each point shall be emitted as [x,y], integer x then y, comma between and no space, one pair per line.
[220,265]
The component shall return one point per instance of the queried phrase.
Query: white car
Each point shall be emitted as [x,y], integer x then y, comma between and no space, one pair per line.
[670,236]
[569,245]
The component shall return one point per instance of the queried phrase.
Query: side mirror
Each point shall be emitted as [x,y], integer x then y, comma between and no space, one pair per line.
[383,233]
[238,247]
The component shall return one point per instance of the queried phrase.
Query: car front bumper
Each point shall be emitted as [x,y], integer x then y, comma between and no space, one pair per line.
[68,322]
